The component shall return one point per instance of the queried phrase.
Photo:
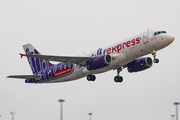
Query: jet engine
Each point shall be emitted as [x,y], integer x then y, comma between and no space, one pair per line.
[140,64]
[99,62]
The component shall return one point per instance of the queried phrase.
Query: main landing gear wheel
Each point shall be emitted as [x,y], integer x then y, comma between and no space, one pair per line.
[91,77]
[154,56]
[118,79]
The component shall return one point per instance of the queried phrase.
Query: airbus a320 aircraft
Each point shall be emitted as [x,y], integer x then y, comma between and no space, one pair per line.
[123,54]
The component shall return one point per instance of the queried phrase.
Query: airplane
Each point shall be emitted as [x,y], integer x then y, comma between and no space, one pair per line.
[127,53]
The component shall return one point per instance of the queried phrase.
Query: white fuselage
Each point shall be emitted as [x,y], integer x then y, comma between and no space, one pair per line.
[123,52]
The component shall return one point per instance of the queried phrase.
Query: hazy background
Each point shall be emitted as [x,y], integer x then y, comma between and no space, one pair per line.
[71,27]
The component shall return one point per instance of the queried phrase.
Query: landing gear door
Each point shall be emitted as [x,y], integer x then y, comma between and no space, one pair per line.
[145,37]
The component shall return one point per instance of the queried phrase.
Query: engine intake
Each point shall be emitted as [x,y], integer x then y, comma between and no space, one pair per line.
[99,62]
[140,64]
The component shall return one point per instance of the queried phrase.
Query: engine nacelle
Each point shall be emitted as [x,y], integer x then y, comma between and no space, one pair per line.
[140,64]
[99,62]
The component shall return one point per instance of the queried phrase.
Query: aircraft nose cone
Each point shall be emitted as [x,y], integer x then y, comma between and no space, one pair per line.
[170,38]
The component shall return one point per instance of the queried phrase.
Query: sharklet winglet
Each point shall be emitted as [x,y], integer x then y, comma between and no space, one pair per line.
[21,55]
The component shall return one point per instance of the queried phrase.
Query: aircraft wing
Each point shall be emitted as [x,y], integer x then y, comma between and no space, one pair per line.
[65,59]
[24,76]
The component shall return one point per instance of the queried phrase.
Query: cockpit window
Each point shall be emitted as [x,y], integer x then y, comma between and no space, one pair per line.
[163,32]
[159,32]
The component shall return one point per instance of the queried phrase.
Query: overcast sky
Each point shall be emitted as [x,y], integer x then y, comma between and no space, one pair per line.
[71,27]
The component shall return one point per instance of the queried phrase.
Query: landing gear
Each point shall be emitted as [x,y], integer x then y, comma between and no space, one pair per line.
[154,56]
[156,60]
[91,77]
[118,78]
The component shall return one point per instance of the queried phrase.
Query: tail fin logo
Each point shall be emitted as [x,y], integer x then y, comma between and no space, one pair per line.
[36,64]
[30,60]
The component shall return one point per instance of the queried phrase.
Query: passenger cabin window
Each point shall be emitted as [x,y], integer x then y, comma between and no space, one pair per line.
[159,32]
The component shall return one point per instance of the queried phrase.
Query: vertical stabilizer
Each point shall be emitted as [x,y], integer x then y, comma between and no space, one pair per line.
[36,64]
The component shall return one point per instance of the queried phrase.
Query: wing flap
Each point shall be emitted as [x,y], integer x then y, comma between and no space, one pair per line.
[25,76]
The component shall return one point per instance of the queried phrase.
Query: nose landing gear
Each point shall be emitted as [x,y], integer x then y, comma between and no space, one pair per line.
[154,56]
[118,78]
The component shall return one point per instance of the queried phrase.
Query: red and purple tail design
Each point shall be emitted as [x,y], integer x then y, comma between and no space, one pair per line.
[36,64]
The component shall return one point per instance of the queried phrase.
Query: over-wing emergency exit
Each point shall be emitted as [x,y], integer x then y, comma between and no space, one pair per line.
[123,54]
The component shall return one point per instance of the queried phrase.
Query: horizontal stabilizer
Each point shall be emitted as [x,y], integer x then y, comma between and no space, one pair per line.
[21,55]
[25,76]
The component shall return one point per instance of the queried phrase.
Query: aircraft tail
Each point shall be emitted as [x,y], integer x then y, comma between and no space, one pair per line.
[36,64]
